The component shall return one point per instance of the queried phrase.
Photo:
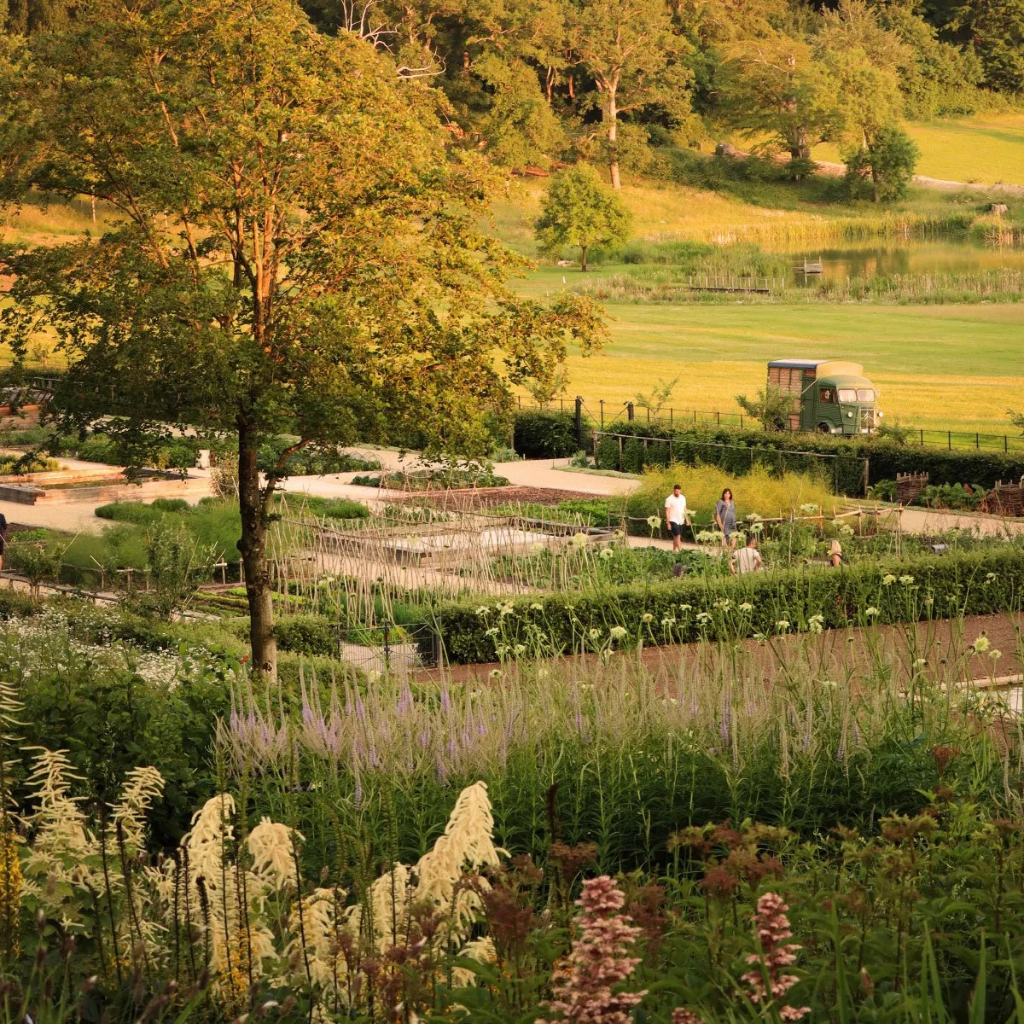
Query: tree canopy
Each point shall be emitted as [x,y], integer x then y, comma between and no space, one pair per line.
[299,250]
[578,210]
[536,83]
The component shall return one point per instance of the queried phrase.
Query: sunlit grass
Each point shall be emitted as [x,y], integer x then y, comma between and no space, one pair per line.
[985,148]
[937,366]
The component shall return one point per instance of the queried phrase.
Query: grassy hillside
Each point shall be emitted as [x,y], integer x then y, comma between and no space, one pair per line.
[986,148]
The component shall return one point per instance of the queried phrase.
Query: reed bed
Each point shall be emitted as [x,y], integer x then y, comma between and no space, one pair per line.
[663,286]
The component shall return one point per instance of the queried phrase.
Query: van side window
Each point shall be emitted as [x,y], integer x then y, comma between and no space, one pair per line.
[826,395]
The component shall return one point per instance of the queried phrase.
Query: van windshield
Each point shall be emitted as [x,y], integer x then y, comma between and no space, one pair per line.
[856,395]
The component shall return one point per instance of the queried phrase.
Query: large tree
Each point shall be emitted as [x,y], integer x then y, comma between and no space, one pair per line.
[774,91]
[299,250]
[631,52]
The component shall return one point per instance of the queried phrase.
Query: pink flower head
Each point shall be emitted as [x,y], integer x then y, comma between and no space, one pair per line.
[598,960]
[772,929]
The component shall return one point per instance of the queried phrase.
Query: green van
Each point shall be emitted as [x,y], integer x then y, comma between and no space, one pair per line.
[834,396]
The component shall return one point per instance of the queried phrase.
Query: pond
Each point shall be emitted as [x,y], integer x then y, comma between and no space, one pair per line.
[916,257]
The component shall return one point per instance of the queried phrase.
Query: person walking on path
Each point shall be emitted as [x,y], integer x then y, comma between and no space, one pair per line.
[676,515]
[747,559]
[725,518]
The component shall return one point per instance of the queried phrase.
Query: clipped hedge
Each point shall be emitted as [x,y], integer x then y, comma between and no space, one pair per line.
[975,583]
[648,446]
[543,434]
[307,634]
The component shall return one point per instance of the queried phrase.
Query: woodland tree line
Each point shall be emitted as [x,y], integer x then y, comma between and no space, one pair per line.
[536,82]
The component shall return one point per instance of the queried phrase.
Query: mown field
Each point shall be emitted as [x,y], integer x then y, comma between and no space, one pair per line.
[937,366]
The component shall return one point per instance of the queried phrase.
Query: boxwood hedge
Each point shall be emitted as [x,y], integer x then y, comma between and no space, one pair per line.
[719,608]
[546,434]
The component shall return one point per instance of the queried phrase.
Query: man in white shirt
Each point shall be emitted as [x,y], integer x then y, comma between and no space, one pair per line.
[747,559]
[675,516]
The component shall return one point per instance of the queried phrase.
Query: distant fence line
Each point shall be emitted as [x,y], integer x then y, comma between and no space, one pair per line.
[603,415]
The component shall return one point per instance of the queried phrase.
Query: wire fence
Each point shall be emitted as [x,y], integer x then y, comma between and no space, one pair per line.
[602,415]
[627,453]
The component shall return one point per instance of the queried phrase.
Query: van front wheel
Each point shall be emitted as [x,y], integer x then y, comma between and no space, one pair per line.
[824,428]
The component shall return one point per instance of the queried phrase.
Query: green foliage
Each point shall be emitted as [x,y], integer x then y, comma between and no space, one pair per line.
[307,462]
[996,28]
[894,431]
[110,722]
[771,407]
[960,584]
[545,434]
[176,563]
[884,166]
[737,450]
[577,210]
[307,634]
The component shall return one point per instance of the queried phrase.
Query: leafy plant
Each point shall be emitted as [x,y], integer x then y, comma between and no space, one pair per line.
[771,407]
[578,210]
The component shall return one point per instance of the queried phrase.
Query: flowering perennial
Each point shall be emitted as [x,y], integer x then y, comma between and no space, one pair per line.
[599,960]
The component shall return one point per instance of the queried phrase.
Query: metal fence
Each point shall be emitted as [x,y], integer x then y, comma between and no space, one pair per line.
[847,474]
[605,414]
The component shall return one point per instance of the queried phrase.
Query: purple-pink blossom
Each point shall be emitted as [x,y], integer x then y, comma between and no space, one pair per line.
[599,960]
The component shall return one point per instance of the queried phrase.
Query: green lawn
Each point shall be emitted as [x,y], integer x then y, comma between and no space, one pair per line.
[937,366]
[986,148]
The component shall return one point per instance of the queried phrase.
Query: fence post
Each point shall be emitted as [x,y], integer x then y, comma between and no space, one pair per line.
[977,440]
[602,413]
[1005,443]
[867,463]
[671,455]
[741,421]
[718,417]
[630,411]
[949,439]
[922,437]
[620,453]
[579,420]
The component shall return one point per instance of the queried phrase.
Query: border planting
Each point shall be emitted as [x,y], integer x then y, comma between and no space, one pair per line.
[731,608]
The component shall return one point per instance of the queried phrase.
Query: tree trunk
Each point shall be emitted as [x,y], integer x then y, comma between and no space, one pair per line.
[583,259]
[799,148]
[253,548]
[612,114]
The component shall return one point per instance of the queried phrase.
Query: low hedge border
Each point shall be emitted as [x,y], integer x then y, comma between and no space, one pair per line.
[885,458]
[546,434]
[731,608]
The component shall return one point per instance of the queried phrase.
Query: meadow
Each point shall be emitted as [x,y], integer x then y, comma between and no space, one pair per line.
[936,366]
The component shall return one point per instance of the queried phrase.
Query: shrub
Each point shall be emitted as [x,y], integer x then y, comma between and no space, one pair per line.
[307,634]
[756,492]
[130,512]
[544,434]
[974,583]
